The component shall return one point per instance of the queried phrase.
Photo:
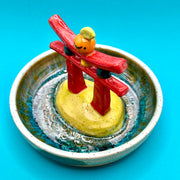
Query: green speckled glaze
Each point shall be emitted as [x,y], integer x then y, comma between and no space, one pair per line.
[52,67]
[33,109]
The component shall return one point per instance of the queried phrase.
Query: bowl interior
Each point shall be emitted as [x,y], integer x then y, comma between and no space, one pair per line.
[51,67]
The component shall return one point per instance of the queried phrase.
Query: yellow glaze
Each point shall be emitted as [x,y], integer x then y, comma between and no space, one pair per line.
[84,63]
[78,112]
[87,33]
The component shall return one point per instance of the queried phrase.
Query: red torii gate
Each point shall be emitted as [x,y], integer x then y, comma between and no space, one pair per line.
[76,83]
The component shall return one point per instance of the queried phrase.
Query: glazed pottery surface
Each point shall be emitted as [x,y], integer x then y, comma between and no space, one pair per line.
[30,93]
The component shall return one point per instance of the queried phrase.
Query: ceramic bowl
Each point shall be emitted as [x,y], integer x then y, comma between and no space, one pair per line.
[49,66]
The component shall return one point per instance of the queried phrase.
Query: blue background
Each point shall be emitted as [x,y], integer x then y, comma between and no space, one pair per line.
[149,30]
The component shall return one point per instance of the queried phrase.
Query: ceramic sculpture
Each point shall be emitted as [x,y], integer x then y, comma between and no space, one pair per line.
[69,107]
[88,106]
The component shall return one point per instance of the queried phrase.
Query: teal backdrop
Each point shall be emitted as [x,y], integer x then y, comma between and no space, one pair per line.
[149,30]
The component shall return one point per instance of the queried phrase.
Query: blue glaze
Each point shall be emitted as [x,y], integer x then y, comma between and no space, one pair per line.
[38,113]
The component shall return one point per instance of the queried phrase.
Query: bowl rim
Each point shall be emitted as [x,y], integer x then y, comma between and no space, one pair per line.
[92,155]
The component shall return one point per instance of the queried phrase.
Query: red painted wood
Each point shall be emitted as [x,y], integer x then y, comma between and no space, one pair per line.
[101,99]
[76,81]
[112,83]
[98,59]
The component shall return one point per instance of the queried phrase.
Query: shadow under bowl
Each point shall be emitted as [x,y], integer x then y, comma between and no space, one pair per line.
[50,65]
